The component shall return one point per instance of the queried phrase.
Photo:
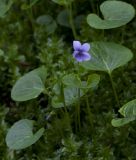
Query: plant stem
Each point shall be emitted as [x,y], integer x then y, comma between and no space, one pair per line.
[89,113]
[65,107]
[71,21]
[78,110]
[92,5]
[114,89]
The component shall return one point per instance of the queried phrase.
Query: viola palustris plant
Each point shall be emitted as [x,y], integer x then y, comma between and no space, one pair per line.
[67,80]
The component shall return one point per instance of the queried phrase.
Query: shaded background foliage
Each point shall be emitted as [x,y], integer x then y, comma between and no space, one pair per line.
[27,45]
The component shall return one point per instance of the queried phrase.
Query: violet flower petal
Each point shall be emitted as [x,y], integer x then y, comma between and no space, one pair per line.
[84,56]
[75,53]
[85,47]
[76,45]
[79,58]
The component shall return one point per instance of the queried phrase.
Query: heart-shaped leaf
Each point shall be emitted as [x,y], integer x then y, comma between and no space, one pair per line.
[27,6]
[93,80]
[41,72]
[29,86]
[72,80]
[70,97]
[107,56]
[129,109]
[44,20]
[47,22]
[115,13]
[121,121]
[5,6]
[63,18]
[72,83]
[62,2]
[20,135]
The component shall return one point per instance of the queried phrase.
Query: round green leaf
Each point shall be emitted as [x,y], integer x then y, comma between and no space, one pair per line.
[51,27]
[93,80]
[72,80]
[129,109]
[27,6]
[115,13]
[57,102]
[70,96]
[5,6]
[47,22]
[20,135]
[63,18]
[27,87]
[1,52]
[107,56]
[44,19]
[62,2]
[121,121]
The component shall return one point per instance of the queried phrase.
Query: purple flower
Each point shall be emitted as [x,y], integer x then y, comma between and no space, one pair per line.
[81,51]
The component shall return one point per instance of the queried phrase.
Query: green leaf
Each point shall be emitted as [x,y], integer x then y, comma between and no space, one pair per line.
[44,20]
[51,27]
[121,121]
[29,86]
[107,56]
[129,109]
[63,18]
[63,2]
[70,96]
[72,80]
[57,102]
[93,80]
[27,6]
[20,135]
[47,22]
[72,83]
[91,83]
[115,13]
[1,53]
[5,6]
[41,72]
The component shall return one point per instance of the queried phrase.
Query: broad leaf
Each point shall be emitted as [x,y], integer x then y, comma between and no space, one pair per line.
[71,85]
[115,13]
[121,121]
[63,2]
[1,53]
[70,96]
[72,80]
[29,86]
[5,6]
[44,19]
[63,18]
[27,6]
[93,81]
[41,72]
[107,56]
[129,109]
[20,135]
[57,102]
[47,22]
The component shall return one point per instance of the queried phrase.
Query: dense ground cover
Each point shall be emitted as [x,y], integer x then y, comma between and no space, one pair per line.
[76,117]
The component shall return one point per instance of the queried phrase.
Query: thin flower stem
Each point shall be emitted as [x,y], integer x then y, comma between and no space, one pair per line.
[78,104]
[92,5]
[89,113]
[78,110]
[114,89]
[65,107]
[72,21]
